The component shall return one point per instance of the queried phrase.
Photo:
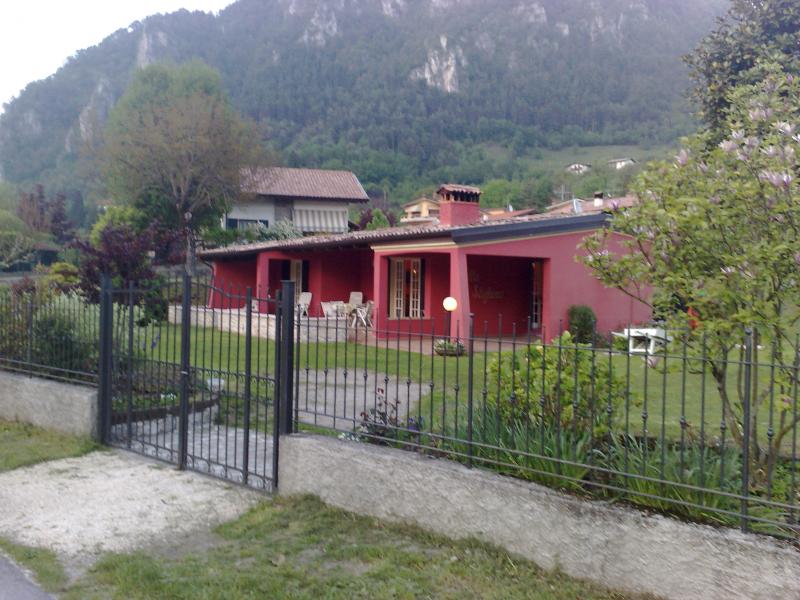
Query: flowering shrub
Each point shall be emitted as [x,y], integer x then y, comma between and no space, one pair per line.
[566,385]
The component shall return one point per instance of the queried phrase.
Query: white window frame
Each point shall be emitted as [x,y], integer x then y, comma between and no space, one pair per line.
[296,275]
[405,288]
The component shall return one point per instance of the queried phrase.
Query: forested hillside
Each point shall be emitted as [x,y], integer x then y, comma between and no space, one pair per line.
[403,92]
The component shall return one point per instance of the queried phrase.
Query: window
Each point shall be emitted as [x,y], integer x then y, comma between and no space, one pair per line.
[245,224]
[405,288]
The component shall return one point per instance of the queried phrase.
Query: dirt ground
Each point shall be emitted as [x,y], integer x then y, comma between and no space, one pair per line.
[113,501]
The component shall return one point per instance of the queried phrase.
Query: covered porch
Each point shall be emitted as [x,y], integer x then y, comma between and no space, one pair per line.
[505,295]
[328,275]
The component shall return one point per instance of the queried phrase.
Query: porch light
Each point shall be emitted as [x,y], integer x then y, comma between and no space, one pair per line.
[450,304]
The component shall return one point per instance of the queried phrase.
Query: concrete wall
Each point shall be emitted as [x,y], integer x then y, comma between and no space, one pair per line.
[615,546]
[49,404]
[264,325]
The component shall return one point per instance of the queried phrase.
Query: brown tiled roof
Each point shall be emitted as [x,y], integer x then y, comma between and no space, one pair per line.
[387,234]
[304,183]
[454,187]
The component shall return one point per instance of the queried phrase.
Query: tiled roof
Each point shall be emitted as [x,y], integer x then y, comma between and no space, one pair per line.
[388,234]
[304,183]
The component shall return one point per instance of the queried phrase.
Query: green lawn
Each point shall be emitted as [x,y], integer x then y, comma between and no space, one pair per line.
[22,444]
[299,548]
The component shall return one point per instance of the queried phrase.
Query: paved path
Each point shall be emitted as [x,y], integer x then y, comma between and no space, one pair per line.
[15,585]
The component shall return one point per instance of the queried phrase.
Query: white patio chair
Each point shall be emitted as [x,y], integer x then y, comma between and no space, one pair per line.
[646,340]
[332,309]
[356,300]
[363,314]
[303,302]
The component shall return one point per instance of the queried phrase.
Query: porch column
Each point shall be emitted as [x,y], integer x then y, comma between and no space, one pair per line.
[550,321]
[459,289]
[380,291]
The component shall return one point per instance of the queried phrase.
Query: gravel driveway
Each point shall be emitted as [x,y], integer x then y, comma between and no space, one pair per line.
[112,501]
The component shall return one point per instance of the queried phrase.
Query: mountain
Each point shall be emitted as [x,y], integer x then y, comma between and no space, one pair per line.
[398,90]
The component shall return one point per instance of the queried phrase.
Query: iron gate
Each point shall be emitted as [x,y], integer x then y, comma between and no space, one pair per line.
[198,375]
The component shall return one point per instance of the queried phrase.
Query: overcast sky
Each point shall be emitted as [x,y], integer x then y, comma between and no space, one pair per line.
[37,36]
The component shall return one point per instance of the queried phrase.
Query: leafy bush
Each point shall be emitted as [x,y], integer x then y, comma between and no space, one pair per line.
[63,276]
[582,322]
[567,385]
[60,343]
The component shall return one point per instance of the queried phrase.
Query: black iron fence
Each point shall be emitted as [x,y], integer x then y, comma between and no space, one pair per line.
[207,376]
[196,386]
[48,333]
[671,421]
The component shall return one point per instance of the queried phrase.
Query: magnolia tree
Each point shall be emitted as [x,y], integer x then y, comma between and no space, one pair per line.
[714,246]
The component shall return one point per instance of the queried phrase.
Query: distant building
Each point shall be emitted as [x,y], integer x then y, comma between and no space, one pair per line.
[578,168]
[494,214]
[421,211]
[598,204]
[314,200]
[621,163]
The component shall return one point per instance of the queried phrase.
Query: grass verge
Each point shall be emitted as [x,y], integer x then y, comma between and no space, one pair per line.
[49,573]
[300,548]
[22,444]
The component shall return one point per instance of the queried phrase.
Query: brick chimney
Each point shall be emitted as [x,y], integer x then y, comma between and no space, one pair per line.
[459,204]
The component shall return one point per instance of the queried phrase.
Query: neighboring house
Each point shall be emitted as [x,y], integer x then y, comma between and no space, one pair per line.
[314,200]
[621,163]
[493,214]
[522,268]
[421,211]
[599,203]
[578,168]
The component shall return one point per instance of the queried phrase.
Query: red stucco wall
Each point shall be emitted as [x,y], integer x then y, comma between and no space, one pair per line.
[568,282]
[498,283]
[499,286]
[232,277]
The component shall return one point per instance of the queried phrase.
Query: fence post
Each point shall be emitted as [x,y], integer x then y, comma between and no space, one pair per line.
[183,420]
[129,392]
[29,327]
[470,387]
[748,359]
[248,371]
[104,367]
[286,357]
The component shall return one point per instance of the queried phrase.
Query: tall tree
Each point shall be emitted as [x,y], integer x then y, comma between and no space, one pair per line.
[752,31]
[176,149]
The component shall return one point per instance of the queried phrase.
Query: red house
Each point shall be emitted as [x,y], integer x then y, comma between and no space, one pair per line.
[504,272]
